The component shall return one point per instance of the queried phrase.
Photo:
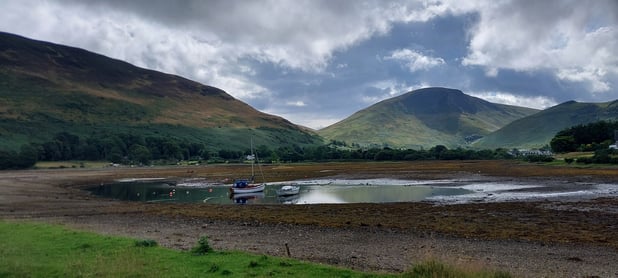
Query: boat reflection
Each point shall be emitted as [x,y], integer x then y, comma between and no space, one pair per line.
[289,199]
[245,198]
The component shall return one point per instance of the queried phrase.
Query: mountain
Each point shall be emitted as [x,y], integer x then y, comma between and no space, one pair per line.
[537,130]
[425,118]
[47,88]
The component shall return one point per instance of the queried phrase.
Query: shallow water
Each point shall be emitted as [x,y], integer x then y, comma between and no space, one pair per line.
[331,191]
[311,192]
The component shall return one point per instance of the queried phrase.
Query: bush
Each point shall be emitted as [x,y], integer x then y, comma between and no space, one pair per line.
[585,160]
[146,243]
[538,158]
[202,247]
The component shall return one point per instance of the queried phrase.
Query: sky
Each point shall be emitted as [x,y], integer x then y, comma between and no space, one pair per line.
[316,62]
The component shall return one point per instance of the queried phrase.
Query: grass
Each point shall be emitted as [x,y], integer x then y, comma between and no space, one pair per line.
[41,250]
[562,156]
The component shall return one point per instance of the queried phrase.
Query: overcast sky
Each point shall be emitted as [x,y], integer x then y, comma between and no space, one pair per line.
[316,62]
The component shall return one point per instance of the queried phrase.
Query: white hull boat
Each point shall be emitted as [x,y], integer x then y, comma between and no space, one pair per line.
[287,190]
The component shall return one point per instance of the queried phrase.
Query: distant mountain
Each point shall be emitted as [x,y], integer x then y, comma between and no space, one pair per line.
[538,129]
[425,118]
[47,88]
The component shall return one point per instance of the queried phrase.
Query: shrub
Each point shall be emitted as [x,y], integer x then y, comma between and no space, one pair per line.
[584,160]
[202,247]
[213,268]
[538,158]
[253,264]
[146,243]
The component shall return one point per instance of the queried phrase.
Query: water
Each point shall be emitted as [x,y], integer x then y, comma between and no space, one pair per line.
[335,191]
[311,192]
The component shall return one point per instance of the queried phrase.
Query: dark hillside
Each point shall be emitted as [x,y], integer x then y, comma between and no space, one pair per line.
[48,88]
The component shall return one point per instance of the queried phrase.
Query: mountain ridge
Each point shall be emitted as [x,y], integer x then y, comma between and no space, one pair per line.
[537,130]
[47,88]
[424,118]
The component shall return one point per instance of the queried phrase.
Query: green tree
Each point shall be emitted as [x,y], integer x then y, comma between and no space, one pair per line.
[563,144]
[140,154]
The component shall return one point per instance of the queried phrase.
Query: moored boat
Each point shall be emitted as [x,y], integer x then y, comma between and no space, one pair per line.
[287,190]
[241,186]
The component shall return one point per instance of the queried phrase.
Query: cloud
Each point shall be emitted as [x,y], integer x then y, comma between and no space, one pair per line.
[308,119]
[385,89]
[413,60]
[296,103]
[537,102]
[576,40]
[300,35]
[592,76]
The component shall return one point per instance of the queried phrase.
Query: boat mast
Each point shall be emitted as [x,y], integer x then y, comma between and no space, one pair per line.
[252,162]
[255,158]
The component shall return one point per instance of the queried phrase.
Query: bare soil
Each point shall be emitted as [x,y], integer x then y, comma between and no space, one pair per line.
[550,238]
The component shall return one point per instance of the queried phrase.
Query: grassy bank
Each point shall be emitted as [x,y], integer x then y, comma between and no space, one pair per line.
[39,250]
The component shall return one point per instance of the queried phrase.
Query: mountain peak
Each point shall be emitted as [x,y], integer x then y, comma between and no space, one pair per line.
[441,100]
[425,118]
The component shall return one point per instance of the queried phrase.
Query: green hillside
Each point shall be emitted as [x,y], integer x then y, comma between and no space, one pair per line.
[537,130]
[47,88]
[425,118]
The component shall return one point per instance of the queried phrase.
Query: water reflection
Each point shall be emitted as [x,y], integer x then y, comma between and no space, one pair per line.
[159,191]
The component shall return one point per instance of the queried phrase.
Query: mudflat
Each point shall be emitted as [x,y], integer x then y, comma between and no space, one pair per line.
[557,237]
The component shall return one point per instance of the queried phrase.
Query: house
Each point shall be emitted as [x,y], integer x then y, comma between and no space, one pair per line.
[526,152]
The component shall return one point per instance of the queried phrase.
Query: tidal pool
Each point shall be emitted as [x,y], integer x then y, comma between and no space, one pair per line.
[311,192]
[332,191]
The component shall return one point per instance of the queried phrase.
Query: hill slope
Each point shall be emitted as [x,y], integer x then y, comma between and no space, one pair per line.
[538,129]
[425,118]
[46,88]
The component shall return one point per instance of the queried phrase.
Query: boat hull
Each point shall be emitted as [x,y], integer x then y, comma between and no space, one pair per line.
[248,189]
[288,190]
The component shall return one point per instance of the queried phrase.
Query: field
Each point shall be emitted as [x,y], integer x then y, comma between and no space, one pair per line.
[554,238]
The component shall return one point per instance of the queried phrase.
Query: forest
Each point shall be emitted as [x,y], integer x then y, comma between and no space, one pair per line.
[129,149]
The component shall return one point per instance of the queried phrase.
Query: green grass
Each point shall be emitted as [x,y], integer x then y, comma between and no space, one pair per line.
[41,250]
[38,250]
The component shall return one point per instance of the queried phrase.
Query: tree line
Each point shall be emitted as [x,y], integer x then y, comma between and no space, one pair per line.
[585,137]
[596,137]
[133,149]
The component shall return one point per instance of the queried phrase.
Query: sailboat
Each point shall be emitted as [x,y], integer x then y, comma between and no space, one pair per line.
[244,186]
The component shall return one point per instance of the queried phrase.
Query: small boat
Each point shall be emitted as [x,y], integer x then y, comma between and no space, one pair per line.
[242,186]
[287,190]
